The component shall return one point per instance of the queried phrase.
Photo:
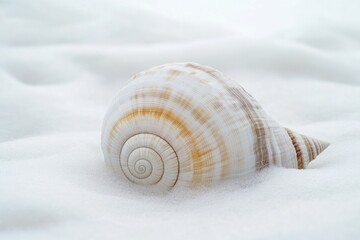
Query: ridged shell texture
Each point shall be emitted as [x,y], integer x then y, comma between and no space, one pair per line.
[185,124]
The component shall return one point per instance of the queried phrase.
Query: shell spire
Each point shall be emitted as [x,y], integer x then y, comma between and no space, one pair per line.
[306,148]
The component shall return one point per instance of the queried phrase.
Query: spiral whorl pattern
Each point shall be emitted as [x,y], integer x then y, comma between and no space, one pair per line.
[148,159]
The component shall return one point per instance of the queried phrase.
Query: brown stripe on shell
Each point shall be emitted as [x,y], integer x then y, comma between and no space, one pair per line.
[217,105]
[202,117]
[299,155]
[308,147]
[257,126]
[203,69]
[163,93]
[273,154]
[173,74]
[318,147]
[315,148]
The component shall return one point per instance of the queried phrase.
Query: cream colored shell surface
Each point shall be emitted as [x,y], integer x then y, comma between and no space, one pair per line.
[185,124]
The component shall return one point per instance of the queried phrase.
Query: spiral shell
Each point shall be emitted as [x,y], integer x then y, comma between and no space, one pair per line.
[185,124]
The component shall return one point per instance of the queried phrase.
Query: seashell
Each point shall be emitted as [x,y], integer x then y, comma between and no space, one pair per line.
[187,125]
